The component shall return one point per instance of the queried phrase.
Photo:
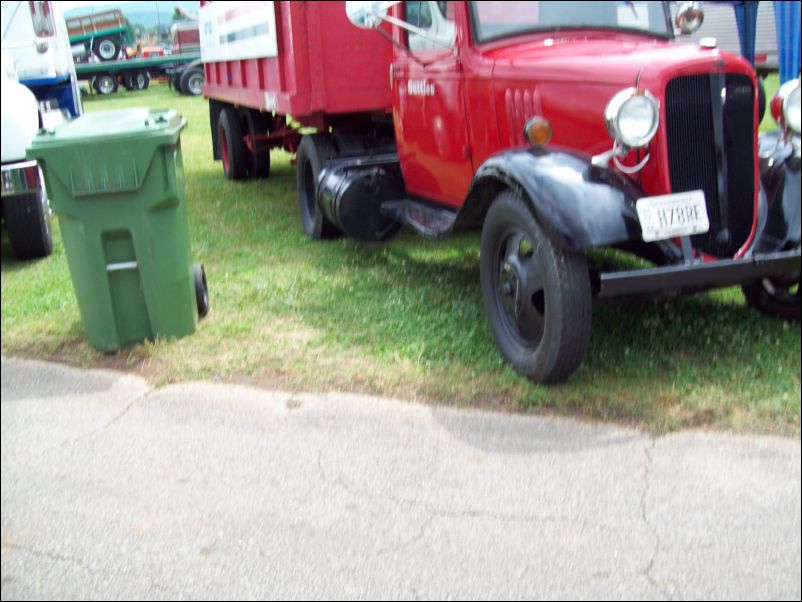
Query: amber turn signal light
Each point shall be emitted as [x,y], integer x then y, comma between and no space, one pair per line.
[538,131]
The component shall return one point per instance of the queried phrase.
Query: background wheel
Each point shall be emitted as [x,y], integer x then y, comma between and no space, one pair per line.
[312,152]
[232,147]
[106,49]
[28,226]
[201,289]
[105,84]
[258,123]
[136,81]
[191,81]
[536,294]
[775,298]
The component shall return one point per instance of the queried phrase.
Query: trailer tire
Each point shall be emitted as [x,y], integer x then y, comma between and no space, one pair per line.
[536,294]
[106,49]
[312,151]
[28,226]
[232,146]
[105,83]
[190,82]
[139,80]
[258,123]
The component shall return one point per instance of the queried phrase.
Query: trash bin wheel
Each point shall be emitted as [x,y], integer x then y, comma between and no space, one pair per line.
[201,289]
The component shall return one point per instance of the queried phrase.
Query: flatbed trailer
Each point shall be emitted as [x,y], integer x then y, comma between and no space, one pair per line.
[134,73]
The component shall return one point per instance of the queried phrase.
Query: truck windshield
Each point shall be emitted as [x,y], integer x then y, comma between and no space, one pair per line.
[494,20]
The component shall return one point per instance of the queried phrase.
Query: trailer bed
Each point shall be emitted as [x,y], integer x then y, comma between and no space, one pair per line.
[293,58]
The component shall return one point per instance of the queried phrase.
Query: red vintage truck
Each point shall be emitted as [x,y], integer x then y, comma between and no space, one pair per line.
[555,127]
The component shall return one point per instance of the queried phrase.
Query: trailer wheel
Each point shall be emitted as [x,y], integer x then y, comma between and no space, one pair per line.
[191,81]
[136,81]
[232,146]
[27,225]
[258,123]
[312,151]
[775,298]
[536,295]
[105,84]
[106,49]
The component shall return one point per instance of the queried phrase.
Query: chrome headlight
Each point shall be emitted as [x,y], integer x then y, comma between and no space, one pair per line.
[785,106]
[632,117]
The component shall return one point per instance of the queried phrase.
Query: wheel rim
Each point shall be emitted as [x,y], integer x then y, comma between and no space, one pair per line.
[519,288]
[140,81]
[195,84]
[106,49]
[106,85]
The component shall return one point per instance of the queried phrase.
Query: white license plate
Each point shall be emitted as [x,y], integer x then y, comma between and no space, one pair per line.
[672,215]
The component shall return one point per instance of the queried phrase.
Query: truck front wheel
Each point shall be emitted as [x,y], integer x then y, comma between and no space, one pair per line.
[311,154]
[536,294]
[27,225]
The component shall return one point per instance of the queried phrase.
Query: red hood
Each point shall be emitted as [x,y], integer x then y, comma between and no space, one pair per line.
[608,59]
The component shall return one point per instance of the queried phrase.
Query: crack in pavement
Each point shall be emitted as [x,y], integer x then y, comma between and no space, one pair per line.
[647,470]
[79,564]
[112,421]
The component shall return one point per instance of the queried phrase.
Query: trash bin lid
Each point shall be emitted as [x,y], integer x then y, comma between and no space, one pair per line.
[105,152]
[159,125]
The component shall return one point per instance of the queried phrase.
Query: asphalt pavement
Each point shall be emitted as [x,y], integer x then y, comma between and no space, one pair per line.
[113,489]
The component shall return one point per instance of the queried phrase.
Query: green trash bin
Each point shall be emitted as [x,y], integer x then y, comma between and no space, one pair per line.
[115,180]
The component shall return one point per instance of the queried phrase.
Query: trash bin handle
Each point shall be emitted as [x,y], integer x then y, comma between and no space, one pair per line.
[123,265]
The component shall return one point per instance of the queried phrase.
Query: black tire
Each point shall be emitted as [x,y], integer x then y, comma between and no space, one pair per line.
[232,147]
[775,298]
[139,80]
[105,84]
[190,82]
[257,123]
[106,49]
[536,294]
[312,152]
[201,289]
[173,81]
[27,225]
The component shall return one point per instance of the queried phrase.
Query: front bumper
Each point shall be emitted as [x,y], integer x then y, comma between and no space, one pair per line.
[694,277]
[21,178]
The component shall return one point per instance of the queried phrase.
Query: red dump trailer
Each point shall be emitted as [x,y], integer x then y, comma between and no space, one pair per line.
[266,60]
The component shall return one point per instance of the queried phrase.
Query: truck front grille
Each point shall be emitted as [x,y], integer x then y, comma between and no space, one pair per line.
[710,129]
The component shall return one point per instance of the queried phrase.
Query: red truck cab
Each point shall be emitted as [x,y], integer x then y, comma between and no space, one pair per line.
[555,127]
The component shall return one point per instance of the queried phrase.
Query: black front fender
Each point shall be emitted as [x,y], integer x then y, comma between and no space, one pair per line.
[579,204]
[780,223]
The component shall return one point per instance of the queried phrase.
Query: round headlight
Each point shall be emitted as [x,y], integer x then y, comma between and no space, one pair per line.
[792,109]
[632,117]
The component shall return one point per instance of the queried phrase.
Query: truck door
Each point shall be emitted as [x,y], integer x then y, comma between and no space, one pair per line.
[428,98]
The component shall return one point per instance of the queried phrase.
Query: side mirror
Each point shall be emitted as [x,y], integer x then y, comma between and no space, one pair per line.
[367,14]
[690,17]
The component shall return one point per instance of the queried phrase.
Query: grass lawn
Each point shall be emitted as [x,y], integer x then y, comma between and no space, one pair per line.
[403,319]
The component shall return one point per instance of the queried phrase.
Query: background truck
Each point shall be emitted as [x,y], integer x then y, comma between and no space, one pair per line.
[554,127]
[40,89]
[102,34]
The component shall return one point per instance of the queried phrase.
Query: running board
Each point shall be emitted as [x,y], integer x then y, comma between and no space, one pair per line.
[429,221]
